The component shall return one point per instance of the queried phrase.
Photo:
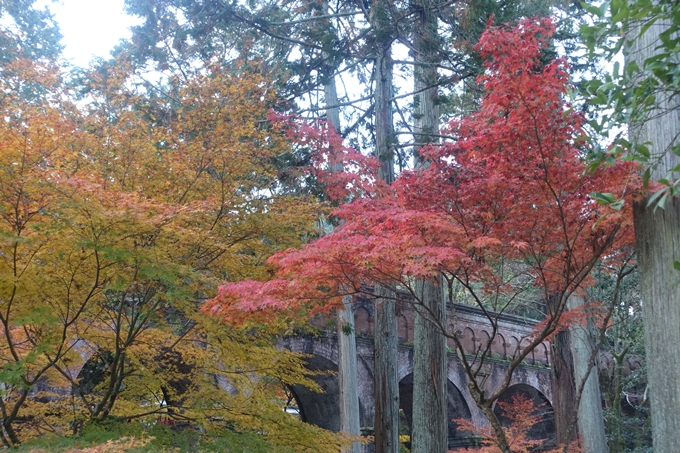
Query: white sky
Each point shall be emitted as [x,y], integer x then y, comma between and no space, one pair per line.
[90,27]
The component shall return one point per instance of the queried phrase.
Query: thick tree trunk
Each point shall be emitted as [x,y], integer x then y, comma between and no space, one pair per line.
[657,237]
[347,375]
[564,389]
[429,430]
[383,119]
[386,379]
[592,436]
[331,97]
[426,45]
[347,349]
[381,22]
[429,433]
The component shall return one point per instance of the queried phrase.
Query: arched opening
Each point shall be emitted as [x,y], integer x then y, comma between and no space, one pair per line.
[163,380]
[320,409]
[530,358]
[541,354]
[545,428]
[483,340]
[402,329]
[94,372]
[457,408]
[498,347]
[469,341]
[362,324]
[513,348]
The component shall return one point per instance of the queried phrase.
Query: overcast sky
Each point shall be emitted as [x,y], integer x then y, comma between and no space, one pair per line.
[90,27]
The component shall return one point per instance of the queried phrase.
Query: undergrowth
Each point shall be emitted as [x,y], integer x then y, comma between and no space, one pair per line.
[134,437]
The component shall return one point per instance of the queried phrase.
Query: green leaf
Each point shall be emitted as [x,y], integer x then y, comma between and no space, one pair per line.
[658,199]
[594,10]
[676,265]
[643,151]
[604,198]
[618,205]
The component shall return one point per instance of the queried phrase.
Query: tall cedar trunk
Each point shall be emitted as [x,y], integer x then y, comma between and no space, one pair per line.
[564,389]
[347,349]
[426,46]
[657,240]
[386,380]
[429,431]
[347,375]
[657,237]
[592,436]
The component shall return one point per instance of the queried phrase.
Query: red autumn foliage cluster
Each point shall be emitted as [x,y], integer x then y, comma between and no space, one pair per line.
[511,188]
[522,415]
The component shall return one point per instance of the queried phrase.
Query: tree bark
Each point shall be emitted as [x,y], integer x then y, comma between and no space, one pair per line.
[386,378]
[592,436]
[657,237]
[347,349]
[564,388]
[347,375]
[381,22]
[429,433]
[429,425]
[426,46]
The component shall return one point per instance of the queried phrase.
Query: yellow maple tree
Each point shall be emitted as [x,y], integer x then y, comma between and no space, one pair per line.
[121,212]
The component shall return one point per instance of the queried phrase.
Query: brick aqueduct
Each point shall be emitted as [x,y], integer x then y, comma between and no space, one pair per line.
[531,379]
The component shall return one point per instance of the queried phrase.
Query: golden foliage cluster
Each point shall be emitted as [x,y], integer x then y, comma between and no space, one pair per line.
[120,211]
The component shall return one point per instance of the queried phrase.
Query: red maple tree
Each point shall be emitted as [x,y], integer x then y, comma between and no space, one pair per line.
[522,415]
[501,212]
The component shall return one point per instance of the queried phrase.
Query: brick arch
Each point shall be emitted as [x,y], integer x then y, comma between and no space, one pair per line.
[362,323]
[457,408]
[498,346]
[84,351]
[469,340]
[482,340]
[513,346]
[531,358]
[320,409]
[545,429]
[542,354]
[403,332]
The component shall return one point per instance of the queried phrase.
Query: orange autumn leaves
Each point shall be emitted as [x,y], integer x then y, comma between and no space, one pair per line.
[120,210]
[503,206]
